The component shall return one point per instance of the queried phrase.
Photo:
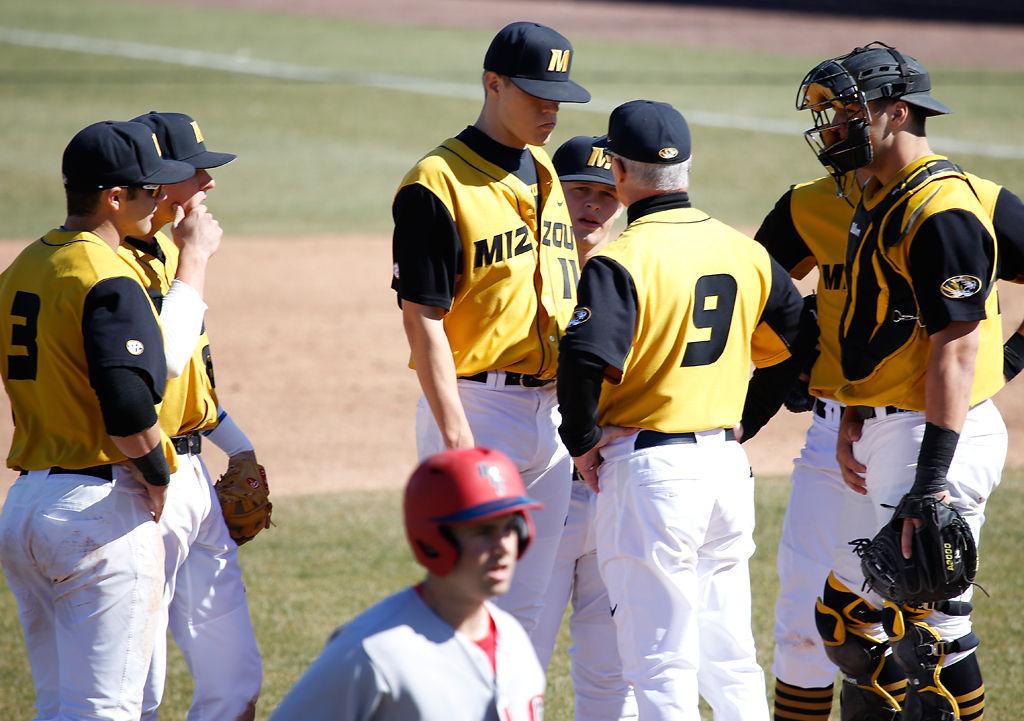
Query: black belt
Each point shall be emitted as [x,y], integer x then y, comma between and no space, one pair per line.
[868,412]
[820,406]
[650,439]
[190,443]
[104,472]
[512,379]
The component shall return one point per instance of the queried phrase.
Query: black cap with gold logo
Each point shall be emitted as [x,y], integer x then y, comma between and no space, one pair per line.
[537,59]
[581,159]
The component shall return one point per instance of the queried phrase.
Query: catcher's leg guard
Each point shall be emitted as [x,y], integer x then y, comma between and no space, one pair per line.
[806,704]
[920,652]
[847,626]
[963,680]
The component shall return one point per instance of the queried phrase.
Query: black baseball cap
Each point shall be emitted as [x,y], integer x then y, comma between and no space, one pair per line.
[112,153]
[537,59]
[181,139]
[648,131]
[582,159]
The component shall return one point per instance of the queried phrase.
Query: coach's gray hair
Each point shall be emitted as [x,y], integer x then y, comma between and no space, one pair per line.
[657,176]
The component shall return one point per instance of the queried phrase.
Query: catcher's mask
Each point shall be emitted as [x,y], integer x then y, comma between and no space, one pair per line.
[847,84]
[459,487]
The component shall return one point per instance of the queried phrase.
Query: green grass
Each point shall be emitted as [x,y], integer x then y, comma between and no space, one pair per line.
[326,157]
[331,556]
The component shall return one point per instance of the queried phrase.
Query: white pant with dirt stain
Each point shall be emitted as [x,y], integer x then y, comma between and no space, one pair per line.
[674,536]
[85,562]
[816,535]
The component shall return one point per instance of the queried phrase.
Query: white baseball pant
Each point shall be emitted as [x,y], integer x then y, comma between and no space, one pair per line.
[204,604]
[889,447]
[674,536]
[523,424]
[85,563]
[815,537]
[601,694]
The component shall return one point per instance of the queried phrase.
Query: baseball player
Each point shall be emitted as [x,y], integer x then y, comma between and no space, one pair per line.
[208,612]
[600,691]
[917,378]
[82,359]
[650,386]
[485,268]
[439,651]
[809,227]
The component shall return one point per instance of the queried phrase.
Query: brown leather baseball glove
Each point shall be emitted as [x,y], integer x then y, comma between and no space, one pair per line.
[244,498]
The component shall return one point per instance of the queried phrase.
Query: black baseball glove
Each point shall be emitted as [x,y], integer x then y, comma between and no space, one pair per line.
[943,560]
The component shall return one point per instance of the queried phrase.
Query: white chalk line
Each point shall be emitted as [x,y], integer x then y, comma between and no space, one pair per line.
[246,65]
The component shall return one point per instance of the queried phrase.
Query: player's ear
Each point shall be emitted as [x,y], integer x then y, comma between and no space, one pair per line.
[900,113]
[112,198]
[493,83]
[619,172]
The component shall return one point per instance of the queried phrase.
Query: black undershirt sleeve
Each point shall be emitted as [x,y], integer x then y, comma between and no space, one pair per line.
[605,318]
[782,310]
[125,355]
[579,389]
[125,400]
[769,386]
[779,235]
[120,330]
[598,338]
[951,258]
[1008,221]
[425,249]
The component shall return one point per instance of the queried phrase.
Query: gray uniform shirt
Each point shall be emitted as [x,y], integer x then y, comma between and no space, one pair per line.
[398,661]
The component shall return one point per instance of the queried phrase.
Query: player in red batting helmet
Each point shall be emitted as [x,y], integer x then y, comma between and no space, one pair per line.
[441,649]
[459,487]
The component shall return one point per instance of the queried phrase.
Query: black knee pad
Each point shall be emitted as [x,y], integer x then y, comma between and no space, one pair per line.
[920,651]
[845,622]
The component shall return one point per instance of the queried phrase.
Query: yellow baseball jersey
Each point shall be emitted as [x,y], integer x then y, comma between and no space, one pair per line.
[514,259]
[190,400]
[68,304]
[810,226]
[681,304]
[922,254]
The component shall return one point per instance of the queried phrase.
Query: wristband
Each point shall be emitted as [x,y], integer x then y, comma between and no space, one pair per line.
[227,436]
[937,449]
[153,466]
[1013,356]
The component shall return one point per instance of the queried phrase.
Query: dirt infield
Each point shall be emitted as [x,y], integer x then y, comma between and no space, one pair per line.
[315,372]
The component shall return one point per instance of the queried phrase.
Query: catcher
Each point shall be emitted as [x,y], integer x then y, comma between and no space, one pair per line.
[920,436]
[204,597]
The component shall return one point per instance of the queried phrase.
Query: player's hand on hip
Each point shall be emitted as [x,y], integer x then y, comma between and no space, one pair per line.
[157,497]
[587,463]
[850,428]
[196,230]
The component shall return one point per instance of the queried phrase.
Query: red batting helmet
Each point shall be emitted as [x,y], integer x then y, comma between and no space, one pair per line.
[459,487]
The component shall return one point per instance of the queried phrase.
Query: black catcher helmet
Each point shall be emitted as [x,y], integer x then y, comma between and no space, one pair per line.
[847,83]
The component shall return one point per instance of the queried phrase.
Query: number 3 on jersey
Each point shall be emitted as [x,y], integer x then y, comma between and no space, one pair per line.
[714,298]
[23,367]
